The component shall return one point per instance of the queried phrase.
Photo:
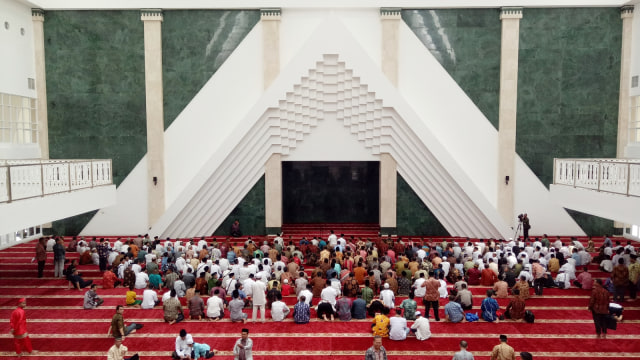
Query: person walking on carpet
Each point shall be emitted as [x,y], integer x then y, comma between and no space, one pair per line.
[243,347]
[18,323]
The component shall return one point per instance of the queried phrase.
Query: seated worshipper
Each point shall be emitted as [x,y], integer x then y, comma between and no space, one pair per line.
[387,296]
[91,298]
[200,350]
[235,308]
[398,326]
[182,349]
[490,307]
[325,310]
[196,306]
[286,288]
[119,351]
[359,308]
[155,280]
[421,327]
[474,275]
[172,309]
[380,326]
[343,308]
[515,309]
[279,310]
[215,306]
[75,279]
[562,280]
[453,311]
[501,287]
[523,286]
[410,306]
[131,298]
[142,279]
[376,305]
[465,298]
[584,280]
[110,280]
[149,298]
[301,311]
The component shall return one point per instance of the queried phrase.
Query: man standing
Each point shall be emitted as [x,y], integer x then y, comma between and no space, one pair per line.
[503,351]
[41,256]
[259,299]
[58,258]
[463,354]
[119,351]
[18,323]
[377,351]
[243,347]
[103,254]
[599,306]
[432,296]
[620,278]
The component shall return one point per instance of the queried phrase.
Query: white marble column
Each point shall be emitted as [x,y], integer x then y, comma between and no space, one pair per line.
[624,103]
[388,193]
[152,19]
[37,16]
[510,18]
[273,194]
[270,19]
[390,18]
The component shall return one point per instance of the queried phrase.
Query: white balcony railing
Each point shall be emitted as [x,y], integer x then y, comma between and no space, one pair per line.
[619,176]
[23,179]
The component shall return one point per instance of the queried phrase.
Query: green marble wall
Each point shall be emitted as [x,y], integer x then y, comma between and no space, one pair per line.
[568,84]
[195,43]
[95,91]
[250,211]
[466,42]
[413,217]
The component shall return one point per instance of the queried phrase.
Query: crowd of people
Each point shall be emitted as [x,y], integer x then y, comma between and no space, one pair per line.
[350,278]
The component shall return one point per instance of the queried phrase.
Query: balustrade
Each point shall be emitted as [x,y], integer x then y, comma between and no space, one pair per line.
[23,179]
[619,176]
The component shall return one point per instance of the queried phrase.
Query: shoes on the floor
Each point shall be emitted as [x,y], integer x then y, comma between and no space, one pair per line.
[139,326]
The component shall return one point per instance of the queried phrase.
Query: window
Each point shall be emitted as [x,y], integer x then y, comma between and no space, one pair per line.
[18,119]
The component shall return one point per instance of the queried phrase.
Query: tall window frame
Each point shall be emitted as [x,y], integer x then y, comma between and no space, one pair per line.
[18,119]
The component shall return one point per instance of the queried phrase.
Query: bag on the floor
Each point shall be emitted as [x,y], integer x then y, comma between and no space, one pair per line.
[529,317]
[471,317]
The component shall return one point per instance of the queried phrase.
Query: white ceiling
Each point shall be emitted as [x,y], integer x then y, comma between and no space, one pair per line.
[257,4]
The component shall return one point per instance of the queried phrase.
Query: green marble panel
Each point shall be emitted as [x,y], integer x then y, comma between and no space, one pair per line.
[466,42]
[195,43]
[250,212]
[413,217]
[95,91]
[568,84]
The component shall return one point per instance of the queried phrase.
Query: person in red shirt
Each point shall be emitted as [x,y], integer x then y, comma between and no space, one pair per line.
[474,275]
[109,279]
[488,277]
[18,321]
[286,288]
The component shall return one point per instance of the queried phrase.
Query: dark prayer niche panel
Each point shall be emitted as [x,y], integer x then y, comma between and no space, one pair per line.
[330,192]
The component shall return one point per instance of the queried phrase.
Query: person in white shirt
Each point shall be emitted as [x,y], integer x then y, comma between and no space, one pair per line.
[215,306]
[247,285]
[149,298]
[308,295]
[279,310]
[136,268]
[183,350]
[421,327]
[606,265]
[50,244]
[398,325]
[259,299]
[420,291]
[180,287]
[141,280]
[332,240]
[387,296]
[329,294]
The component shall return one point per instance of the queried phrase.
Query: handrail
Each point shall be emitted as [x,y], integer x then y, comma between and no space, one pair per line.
[618,176]
[25,179]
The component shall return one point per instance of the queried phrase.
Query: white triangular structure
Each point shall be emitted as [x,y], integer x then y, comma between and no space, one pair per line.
[333,84]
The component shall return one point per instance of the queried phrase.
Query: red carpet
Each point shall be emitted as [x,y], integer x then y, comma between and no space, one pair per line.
[60,328]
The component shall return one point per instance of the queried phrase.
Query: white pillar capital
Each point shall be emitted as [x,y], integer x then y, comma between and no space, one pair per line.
[151,15]
[626,12]
[270,14]
[511,13]
[390,13]
[37,15]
